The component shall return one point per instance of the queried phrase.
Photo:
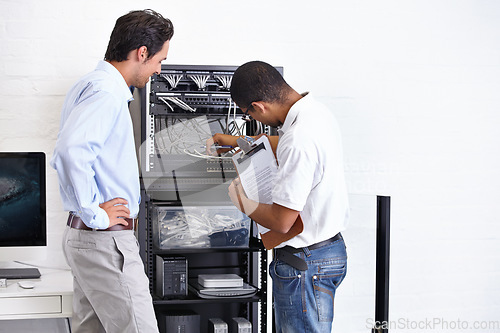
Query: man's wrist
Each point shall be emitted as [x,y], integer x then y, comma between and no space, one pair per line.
[249,206]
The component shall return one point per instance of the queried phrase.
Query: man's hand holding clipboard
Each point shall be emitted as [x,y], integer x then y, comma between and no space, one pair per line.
[251,193]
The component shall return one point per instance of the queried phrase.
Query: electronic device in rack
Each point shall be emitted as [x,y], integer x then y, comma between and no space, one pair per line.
[217,325]
[245,290]
[240,325]
[185,321]
[188,89]
[171,277]
[220,280]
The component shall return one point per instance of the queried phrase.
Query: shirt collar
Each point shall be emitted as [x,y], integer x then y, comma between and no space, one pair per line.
[293,113]
[117,76]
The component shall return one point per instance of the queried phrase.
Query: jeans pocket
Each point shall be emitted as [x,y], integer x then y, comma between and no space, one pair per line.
[332,269]
[284,271]
[325,283]
[286,279]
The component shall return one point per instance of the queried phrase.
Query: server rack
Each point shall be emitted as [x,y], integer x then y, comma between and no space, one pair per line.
[182,107]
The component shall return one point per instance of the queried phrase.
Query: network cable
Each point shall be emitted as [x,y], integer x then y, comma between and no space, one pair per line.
[225,80]
[180,103]
[200,80]
[172,79]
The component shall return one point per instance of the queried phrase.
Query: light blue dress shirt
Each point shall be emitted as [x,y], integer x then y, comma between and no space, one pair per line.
[95,155]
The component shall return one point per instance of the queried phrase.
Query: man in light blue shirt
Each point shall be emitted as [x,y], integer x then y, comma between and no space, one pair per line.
[95,152]
[98,174]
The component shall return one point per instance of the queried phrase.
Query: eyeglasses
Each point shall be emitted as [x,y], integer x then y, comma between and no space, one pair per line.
[246,116]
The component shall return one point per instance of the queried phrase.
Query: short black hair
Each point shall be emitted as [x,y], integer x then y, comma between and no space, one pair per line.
[258,81]
[135,29]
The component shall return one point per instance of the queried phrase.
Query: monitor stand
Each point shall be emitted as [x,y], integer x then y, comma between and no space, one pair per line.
[19,273]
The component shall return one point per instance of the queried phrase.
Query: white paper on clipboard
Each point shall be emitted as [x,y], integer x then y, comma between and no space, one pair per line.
[257,171]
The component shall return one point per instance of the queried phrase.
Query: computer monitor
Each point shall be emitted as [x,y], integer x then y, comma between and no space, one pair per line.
[23,224]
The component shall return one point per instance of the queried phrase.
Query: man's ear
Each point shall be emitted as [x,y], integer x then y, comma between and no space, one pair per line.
[259,106]
[142,53]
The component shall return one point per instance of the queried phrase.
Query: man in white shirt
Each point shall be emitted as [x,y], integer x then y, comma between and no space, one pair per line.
[308,268]
[96,163]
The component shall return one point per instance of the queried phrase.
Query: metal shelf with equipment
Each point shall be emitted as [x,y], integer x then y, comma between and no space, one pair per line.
[190,227]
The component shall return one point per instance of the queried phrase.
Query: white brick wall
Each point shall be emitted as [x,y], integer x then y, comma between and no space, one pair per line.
[414,85]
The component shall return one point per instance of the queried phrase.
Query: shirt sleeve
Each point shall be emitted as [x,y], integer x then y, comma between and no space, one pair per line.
[78,145]
[296,176]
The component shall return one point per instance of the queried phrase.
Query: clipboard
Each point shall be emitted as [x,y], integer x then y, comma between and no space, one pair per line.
[256,166]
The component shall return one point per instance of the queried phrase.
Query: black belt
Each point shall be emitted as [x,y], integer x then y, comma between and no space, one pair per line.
[286,253]
[77,223]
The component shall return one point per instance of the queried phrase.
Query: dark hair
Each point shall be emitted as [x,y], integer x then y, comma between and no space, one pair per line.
[257,81]
[135,29]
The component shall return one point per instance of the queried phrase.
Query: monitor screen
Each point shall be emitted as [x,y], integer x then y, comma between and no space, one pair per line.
[22,199]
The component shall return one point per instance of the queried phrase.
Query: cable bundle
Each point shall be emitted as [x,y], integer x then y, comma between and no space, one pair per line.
[172,79]
[225,80]
[177,101]
[200,80]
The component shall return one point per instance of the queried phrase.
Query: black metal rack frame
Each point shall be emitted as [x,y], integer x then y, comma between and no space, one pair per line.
[212,101]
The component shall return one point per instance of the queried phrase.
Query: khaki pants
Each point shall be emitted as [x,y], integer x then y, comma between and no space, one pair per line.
[111,290]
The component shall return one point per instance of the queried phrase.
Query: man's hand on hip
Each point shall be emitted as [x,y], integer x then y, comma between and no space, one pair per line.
[116,210]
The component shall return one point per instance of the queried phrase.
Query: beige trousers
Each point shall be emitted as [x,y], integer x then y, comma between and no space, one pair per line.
[111,289]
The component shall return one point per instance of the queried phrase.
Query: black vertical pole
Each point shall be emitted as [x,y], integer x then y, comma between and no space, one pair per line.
[382,265]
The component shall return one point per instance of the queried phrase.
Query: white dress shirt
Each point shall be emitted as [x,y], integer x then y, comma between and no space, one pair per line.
[310,176]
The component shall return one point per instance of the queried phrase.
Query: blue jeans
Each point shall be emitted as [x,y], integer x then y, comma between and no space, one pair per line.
[303,300]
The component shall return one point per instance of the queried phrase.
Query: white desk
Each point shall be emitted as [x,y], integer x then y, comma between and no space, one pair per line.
[52,297]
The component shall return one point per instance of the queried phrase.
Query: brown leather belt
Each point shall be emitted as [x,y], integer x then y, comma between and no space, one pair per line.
[77,223]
